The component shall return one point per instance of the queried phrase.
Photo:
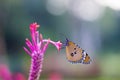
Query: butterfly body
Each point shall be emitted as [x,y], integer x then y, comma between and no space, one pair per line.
[75,54]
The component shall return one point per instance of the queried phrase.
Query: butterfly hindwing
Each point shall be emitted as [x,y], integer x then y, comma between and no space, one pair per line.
[86,58]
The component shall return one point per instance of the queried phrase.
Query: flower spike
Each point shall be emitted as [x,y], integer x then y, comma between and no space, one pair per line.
[36,49]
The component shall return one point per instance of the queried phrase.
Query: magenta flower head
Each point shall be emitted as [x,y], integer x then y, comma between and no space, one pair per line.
[36,50]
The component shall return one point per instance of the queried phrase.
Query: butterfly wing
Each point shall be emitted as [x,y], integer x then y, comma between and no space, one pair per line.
[86,58]
[74,53]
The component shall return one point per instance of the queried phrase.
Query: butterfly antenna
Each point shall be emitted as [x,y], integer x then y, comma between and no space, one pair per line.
[66,40]
[64,36]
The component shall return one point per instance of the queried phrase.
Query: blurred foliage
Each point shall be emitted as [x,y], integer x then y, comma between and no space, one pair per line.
[16,15]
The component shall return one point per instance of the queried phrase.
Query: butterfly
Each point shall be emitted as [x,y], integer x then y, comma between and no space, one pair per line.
[75,54]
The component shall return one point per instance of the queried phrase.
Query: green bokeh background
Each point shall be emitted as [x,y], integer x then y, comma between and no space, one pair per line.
[104,47]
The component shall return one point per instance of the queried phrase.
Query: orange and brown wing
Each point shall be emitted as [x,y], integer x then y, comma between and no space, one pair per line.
[74,53]
[86,59]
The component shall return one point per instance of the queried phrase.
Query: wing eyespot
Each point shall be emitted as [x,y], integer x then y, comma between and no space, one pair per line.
[72,54]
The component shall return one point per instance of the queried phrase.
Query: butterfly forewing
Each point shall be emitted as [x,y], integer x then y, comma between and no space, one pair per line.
[74,53]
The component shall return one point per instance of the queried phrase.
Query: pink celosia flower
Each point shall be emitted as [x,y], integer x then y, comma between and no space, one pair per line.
[5,73]
[37,48]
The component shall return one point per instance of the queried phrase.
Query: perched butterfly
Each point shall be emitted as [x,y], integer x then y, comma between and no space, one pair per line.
[75,54]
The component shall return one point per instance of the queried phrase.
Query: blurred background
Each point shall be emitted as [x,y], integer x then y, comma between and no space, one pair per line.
[92,24]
